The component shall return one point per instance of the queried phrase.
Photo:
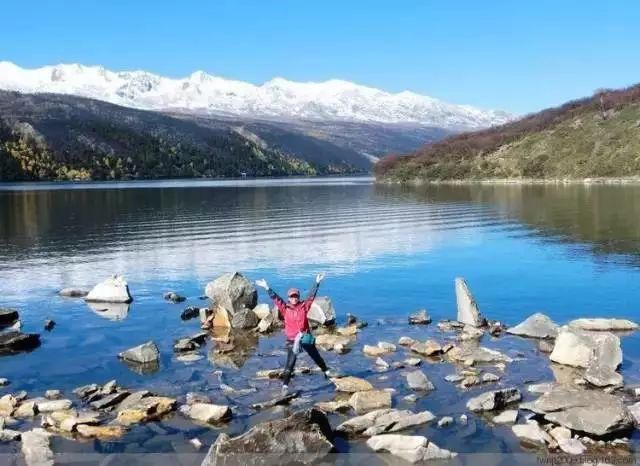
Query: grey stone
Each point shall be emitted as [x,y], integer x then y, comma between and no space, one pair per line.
[143,354]
[109,401]
[54,405]
[535,326]
[36,448]
[278,401]
[361,402]
[506,417]
[232,292]
[603,324]
[16,341]
[411,448]
[173,297]
[418,381]
[468,311]
[73,293]
[383,420]
[305,437]
[493,400]
[244,319]
[577,348]
[445,421]
[8,435]
[206,412]
[531,433]
[322,311]
[420,318]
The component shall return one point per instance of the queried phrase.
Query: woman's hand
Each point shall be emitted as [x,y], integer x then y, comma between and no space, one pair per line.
[319,277]
[262,283]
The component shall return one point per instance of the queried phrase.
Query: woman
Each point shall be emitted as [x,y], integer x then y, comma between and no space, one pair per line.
[296,327]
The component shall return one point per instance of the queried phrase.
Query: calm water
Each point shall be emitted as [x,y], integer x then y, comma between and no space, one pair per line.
[569,251]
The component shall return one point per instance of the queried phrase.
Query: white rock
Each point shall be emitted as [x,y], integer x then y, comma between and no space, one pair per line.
[576,347]
[603,324]
[535,326]
[262,310]
[468,311]
[142,354]
[206,412]
[418,381]
[36,449]
[572,446]
[112,290]
[411,448]
[445,421]
[54,405]
[531,433]
[509,416]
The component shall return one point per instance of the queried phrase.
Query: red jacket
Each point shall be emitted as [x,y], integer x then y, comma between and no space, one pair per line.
[295,317]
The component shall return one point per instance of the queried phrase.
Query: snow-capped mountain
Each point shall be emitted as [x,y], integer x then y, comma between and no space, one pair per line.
[278,99]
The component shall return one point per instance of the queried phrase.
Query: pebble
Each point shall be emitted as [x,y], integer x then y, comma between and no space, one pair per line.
[445,421]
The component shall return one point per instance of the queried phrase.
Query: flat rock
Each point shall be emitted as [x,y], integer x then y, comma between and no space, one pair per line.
[101,432]
[417,380]
[428,348]
[36,447]
[572,446]
[577,348]
[142,354]
[333,406]
[506,417]
[362,402]
[634,409]
[146,409]
[109,401]
[351,384]
[476,354]
[16,341]
[112,290]
[535,326]
[445,421]
[603,324]
[531,433]
[206,412]
[383,420]
[406,341]
[9,435]
[278,401]
[73,293]
[468,311]
[589,411]
[420,318]
[54,405]
[329,341]
[495,399]
[304,437]
[173,297]
[411,448]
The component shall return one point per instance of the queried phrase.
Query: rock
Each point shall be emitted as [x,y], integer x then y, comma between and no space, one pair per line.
[52,394]
[406,341]
[100,432]
[386,346]
[329,342]
[232,292]
[349,330]
[470,333]
[8,317]
[351,384]
[190,312]
[589,411]
[142,354]
[8,435]
[26,409]
[86,390]
[173,297]
[531,433]
[420,318]
[267,323]
[383,420]
[146,409]
[428,348]
[602,324]
[493,400]
[54,405]
[488,377]
[572,446]
[411,448]
[418,381]
[576,347]
[262,310]
[445,421]
[15,341]
[112,290]
[109,401]
[190,343]
[189,357]
[197,444]
[193,397]
[206,412]
[468,312]
[36,449]
[361,402]
[4,382]
[322,311]
[560,433]
[304,437]
[454,378]
[541,387]
[634,409]
[475,354]
[463,420]
[506,417]
[244,319]
[278,401]
[535,326]
[410,398]
[412,362]
[73,293]
[333,406]
[382,363]
[546,346]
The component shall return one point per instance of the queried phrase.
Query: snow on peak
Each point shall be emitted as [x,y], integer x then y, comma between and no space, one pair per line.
[279,98]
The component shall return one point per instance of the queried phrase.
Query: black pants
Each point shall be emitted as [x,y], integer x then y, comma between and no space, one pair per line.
[310,349]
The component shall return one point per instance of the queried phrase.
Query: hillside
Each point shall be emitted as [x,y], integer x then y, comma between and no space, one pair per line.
[57,137]
[592,137]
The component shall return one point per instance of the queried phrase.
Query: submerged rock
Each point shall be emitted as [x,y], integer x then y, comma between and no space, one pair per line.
[411,448]
[232,292]
[476,354]
[322,311]
[73,293]
[173,297]
[16,341]
[143,354]
[190,312]
[603,324]
[49,324]
[101,432]
[535,326]
[190,343]
[468,311]
[278,401]
[112,290]
[304,437]
[493,400]
[420,318]
[589,411]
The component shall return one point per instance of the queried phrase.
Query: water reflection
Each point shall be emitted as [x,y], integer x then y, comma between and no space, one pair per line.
[110,311]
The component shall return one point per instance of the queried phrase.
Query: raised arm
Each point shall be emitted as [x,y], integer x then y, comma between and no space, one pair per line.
[277,300]
[314,291]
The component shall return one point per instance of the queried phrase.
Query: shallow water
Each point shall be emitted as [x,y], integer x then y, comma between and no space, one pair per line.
[569,251]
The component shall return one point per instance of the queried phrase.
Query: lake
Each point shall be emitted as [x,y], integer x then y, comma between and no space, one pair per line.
[568,251]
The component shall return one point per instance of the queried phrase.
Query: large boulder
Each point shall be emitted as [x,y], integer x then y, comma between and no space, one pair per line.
[244,319]
[112,290]
[577,347]
[322,311]
[589,411]
[15,341]
[535,326]
[382,421]
[232,292]
[531,433]
[411,448]
[304,437]
[468,311]
[36,448]
[142,354]
[494,400]
[602,324]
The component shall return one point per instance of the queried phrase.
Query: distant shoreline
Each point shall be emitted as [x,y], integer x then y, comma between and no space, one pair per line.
[517,181]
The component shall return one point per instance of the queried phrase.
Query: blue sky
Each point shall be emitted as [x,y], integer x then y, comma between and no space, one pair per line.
[519,56]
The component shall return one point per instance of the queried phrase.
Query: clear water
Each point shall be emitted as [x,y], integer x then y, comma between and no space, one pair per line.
[569,251]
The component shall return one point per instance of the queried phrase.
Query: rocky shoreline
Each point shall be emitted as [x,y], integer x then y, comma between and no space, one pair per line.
[586,408]
[515,181]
